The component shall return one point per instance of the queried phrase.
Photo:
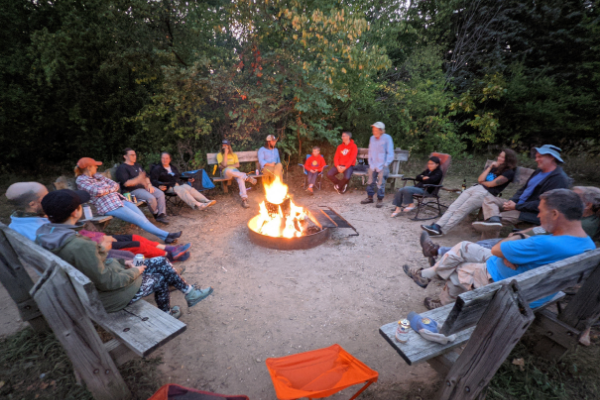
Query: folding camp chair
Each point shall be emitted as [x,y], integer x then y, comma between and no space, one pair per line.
[176,392]
[172,201]
[319,182]
[318,373]
[431,200]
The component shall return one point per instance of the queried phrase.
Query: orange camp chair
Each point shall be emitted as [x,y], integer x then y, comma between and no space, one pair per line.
[318,373]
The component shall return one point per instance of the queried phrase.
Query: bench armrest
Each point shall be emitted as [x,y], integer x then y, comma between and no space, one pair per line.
[427,185]
[409,179]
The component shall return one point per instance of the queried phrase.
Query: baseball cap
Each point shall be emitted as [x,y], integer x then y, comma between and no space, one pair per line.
[379,125]
[58,205]
[225,141]
[552,150]
[271,137]
[86,162]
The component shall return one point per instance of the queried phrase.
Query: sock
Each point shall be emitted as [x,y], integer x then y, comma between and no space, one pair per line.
[428,273]
[189,289]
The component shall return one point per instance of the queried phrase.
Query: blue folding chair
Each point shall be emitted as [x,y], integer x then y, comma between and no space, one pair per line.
[319,181]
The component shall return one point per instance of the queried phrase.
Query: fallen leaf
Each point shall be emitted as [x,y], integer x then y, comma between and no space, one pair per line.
[520,362]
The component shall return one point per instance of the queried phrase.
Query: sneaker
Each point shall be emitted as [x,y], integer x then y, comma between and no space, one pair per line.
[337,189]
[431,303]
[201,206]
[415,275]
[433,230]
[368,200]
[175,312]
[172,237]
[162,218]
[379,203]
[429,248]
[184,257]
[211,203]
[345,188]
[196,295]
[245,203]
[492,224]
[250,179]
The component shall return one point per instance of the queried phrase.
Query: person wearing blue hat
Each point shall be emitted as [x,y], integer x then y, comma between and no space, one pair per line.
[523,206]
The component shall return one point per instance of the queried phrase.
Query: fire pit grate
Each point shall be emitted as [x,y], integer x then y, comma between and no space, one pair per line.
[326,217]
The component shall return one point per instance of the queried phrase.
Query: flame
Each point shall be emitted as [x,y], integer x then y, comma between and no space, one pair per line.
[278,224]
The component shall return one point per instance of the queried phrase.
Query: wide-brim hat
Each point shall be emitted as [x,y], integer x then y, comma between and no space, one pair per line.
[551,150]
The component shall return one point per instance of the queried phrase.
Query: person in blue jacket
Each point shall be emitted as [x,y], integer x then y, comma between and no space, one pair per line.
[26,197]
[381,155]
[270,163]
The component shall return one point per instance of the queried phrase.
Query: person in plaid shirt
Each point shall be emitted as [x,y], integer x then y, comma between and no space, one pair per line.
[105,196]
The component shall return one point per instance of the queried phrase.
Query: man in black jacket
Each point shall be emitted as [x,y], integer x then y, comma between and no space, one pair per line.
[523,206]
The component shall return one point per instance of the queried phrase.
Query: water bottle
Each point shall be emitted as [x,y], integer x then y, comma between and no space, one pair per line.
[464,185]
[87,212]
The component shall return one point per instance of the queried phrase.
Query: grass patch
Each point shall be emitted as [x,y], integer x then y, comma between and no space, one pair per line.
[35,366]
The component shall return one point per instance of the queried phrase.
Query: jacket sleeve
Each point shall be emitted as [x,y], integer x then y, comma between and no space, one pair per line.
[436,178]
[353,156]
[389,157]
[121,175]
[93,189]
[261,158]
[155,176]
[558,181]
[336,157]
[106,274]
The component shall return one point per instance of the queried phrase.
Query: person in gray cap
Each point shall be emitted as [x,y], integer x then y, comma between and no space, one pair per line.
[270,162]
[523,206]
[26,197]
[381,155]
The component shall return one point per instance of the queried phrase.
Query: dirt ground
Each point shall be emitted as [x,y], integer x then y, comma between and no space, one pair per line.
[270,303]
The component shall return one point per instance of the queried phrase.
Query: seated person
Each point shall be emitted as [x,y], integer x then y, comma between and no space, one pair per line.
[228,163]
[313,166]
[108,201]
[270,163]
[492,181]
[343,163]
[523,206]
[468,266]
[118,283]
[431,176]
[132,178]
[27,197]
[167,178]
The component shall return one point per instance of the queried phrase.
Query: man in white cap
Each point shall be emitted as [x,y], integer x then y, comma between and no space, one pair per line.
[270,163]
[381,155]
[27,197]
[523,206]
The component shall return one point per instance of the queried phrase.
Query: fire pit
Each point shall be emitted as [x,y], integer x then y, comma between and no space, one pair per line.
[282,225]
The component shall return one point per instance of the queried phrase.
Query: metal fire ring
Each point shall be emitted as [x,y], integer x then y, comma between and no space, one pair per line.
[281,243]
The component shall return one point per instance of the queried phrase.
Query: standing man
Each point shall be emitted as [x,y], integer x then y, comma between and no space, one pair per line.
[270,163]
[133,179]
[381,155]
[343,163]
[523,206]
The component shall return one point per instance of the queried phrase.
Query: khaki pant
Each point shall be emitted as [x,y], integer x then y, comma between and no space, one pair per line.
[270,172]
[491,208]
[189,195]
[463,268]
[469,201]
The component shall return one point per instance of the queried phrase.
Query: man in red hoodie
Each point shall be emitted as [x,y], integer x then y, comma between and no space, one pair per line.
[343,163]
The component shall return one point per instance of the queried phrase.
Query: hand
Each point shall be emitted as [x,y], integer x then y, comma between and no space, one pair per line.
[518,235]
[271,164]
[425,177]
[142,268]
[162,187]
[341,168]
[510,265]
[150,189]
[494,165]
[106,242]
[191,180]
[141,177]
[509,206]
[128,264]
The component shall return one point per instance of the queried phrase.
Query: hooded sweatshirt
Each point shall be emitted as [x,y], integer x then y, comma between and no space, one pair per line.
[345,154]
[26,223]
[115,284]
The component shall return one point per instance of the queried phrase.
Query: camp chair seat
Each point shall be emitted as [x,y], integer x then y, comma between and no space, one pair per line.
[318,373]
[319,182]
[176,392]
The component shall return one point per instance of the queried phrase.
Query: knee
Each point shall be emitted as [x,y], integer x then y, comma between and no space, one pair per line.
[159,194]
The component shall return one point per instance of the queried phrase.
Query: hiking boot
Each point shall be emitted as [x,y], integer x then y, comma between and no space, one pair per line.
[490,225]
[432,303]
[175,312]
[379,203]
[429,248]
[345,188]
[196,295]
[415,275]
[245,203]
[250,179]
[172,237]
[368,200]
[162,218]
[433,230]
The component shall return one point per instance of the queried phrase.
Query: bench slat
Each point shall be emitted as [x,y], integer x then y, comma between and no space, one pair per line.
[243,156]
[535,284]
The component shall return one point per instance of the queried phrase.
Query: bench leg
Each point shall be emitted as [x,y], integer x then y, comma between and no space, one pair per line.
[224,186]
[555,337]
[500,328]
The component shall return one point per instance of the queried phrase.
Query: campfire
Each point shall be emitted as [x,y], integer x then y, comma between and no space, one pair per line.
[278,215]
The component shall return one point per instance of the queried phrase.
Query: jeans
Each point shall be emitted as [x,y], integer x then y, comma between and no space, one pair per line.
[404,196]
[469,201]
[340,183]
[376,181]
[312,177]
[156,278]
[130,213]
[188,194]
[240,177]
[156,200]
[487,244]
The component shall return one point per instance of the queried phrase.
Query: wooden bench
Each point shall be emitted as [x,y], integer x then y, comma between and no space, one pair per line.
[489,321]
[69,302]
[399,156]
[243,156]
[522,174]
